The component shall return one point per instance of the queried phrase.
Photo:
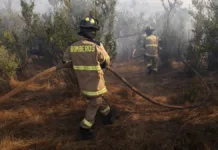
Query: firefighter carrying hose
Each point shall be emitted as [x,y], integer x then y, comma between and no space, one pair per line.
[150,43]
[89,58]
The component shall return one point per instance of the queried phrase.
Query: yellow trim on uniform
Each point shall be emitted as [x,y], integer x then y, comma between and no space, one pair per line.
[151,45]
[87,123]
[151,37]
[149,65]
[105,110]
[87,68]
[101,44]
[82,49]
[107,58]
[88,93]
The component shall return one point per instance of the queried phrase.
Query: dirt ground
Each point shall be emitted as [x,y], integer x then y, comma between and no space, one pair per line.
[46,116]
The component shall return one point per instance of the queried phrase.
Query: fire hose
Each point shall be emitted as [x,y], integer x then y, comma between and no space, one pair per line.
[69,64]
[175,106]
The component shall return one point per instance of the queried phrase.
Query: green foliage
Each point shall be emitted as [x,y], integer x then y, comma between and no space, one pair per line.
[170,36]
[105,12]
[51,33]
[110,46]
[8,62]
[9,37]
[63,32]
[197,59]
[27,12]
[31,21]
[205,41]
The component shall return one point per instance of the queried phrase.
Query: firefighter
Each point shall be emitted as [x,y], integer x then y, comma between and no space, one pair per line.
[150,43]
[89,58]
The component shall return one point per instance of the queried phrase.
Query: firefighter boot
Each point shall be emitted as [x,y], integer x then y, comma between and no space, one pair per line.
[86,134]
[149,70]
[110,118]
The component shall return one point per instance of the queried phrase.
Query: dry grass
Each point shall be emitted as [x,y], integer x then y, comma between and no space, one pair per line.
[129,67]
[46,117]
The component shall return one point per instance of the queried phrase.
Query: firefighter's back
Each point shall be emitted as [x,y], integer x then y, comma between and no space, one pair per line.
[151,45]
[87,68]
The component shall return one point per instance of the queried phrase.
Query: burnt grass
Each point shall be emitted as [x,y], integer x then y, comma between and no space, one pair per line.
[45,117]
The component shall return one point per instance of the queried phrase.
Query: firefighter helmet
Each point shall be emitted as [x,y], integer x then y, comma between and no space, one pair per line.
[89,23]
[149,29]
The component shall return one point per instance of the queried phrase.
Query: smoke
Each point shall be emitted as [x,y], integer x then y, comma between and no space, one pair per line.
[145,6]
[150,8]
[135,6]
[135,15]
[41,6]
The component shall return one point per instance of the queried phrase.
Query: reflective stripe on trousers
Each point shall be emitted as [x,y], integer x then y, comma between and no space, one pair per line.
[152,61]
[106,111]
[151,45]
[91,68]
[87,68]
[87,123]
[97,93]
[93,105]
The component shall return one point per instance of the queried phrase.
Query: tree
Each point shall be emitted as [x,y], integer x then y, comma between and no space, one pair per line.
[169,34]
[104,10]
[8,62]
[203,53]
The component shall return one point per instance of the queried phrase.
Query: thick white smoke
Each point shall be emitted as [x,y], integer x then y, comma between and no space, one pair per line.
[41,5]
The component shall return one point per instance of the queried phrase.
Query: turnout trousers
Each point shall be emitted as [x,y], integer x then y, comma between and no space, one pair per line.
[152,62]
[94,104]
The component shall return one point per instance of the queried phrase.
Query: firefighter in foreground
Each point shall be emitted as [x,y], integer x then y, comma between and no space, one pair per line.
[89,58]
[150,43]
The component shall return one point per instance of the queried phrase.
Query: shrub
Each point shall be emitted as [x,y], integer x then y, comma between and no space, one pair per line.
[8,62]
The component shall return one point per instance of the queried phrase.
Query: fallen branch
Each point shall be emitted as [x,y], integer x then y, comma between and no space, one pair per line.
[38,76]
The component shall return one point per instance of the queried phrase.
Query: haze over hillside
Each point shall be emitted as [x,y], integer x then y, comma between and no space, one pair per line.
[151,6]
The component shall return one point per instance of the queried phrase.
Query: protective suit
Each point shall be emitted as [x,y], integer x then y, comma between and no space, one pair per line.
[89,58]
[150,44]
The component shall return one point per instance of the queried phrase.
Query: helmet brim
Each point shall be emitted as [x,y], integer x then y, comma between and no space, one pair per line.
[80,33]
[89,35]
[149,30]
[90,27]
